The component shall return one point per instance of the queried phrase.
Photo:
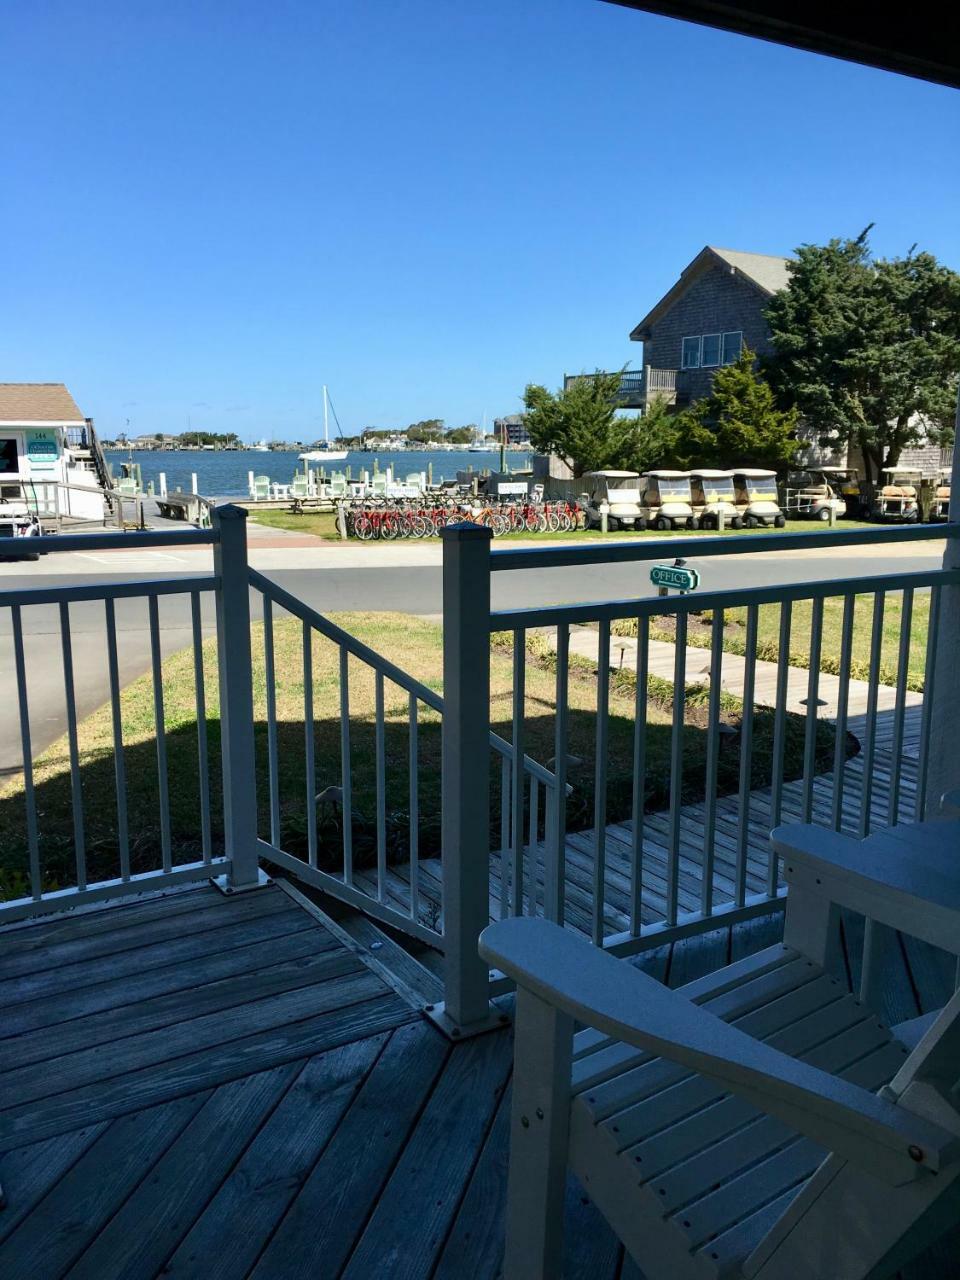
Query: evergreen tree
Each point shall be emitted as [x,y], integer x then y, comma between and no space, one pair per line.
[739,424]
[868,350]
[580,423]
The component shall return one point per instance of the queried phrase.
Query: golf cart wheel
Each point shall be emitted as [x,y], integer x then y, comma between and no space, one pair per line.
[662,523]
[751,522]
[693,523]
[613,524]
[736,522]
[640,524]
[780,521]
[911,517]
[823,515]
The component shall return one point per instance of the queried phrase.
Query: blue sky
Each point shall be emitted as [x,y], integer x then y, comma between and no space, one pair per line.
[210,209]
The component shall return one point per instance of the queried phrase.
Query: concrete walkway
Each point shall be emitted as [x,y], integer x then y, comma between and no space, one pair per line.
[584,642]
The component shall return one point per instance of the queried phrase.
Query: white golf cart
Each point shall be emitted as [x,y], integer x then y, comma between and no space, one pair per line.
[619,492]
[757,498]
[712,494]
[896,499]
[666,501]
[18,520]
[809,495]
[940,507]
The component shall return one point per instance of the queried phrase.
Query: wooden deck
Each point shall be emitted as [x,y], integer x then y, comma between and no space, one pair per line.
[579,877]
[220,1088]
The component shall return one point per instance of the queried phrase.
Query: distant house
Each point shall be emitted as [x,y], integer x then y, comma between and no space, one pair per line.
[511,429]
[704,321]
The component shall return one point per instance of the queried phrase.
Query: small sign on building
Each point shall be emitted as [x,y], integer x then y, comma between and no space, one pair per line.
[674,577]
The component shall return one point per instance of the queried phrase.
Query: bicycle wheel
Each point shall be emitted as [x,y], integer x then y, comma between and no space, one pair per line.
[364,528]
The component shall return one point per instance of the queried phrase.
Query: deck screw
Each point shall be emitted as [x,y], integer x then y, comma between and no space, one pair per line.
[539,1113]
[428,1008]
[525,1122]
[915,1153]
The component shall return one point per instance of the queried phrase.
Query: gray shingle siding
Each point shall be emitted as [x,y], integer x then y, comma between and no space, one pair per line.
[715,303]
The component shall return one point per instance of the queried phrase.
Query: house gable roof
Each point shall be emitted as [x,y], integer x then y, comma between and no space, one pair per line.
[765,272]
[37,402]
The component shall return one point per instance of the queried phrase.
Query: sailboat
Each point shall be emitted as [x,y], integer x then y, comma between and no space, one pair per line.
[324,454]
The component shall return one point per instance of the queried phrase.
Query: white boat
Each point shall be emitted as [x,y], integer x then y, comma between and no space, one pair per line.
[325,453]
[260,447]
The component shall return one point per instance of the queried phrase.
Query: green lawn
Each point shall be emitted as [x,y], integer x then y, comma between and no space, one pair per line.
[415,645]
[699,634]
[322,524]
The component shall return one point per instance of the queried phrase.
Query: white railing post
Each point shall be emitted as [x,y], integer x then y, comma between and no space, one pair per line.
[236,701]
[943,770]
[466,779]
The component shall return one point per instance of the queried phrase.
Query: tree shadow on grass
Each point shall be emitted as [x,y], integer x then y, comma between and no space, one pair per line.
[100,811]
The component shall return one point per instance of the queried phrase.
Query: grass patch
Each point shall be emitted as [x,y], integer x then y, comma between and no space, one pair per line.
[415,645]
[322,524]
[699,635]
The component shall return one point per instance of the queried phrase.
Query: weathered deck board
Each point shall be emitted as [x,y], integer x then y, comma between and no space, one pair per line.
[384,1154]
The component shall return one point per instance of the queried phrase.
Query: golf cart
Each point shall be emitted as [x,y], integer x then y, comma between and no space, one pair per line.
[756,497]
[845,483]
[896,499]
[18,521]
[666,500]
[809,495]
[940,507]
[620,492]
[712,494]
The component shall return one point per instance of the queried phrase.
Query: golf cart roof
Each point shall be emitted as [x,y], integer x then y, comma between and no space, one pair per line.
[753,473]
[711,473]
[665,474]
[836,471]
[613,475]
[903,471]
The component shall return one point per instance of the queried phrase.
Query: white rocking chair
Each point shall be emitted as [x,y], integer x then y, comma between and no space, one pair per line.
[760,1122]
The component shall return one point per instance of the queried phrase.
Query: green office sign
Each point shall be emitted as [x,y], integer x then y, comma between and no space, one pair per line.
[675,578]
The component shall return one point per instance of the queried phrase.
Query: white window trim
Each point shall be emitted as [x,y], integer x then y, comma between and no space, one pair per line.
[719,359]
[729,334]
[683,342]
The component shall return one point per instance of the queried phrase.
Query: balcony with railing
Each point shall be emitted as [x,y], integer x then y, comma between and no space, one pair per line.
[640,387]
[213,1036]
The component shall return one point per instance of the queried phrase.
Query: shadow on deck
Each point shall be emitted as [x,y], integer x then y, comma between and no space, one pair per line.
[223,1087]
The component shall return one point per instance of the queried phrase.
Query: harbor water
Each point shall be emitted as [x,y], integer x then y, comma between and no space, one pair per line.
[224,474]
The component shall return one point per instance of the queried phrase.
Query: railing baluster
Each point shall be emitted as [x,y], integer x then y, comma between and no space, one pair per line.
[555,845]
[638,799]
[929,683]
[203,763]
[843,699]
[900,706]
[713,760]
[163,787]
[549,842]
[381,753]
[746,756]
[813,694]
[308,745]
[779,734]
[414,836]
[30,800]
[533,825]
[270,680]
[676,765]
[119,763]
[506,792]
[870,731]
[517,781]
[79,842]
[600,782]
[346,772]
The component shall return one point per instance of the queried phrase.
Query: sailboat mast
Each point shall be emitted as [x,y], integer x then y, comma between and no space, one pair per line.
[326,429]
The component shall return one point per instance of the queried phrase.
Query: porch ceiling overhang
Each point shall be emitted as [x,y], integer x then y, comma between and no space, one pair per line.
[919,46]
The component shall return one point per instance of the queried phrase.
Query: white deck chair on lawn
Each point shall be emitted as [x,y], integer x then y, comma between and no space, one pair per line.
[760,1122]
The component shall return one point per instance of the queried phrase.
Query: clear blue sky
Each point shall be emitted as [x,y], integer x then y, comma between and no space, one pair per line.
[210,209]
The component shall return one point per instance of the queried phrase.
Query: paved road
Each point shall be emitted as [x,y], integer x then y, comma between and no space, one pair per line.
[394,577]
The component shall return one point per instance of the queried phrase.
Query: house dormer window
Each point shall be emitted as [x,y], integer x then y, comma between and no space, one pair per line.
[710,350]
[690,355]
[732,346]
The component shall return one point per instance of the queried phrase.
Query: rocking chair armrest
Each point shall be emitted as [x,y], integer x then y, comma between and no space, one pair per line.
[593,987]
[893,885]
